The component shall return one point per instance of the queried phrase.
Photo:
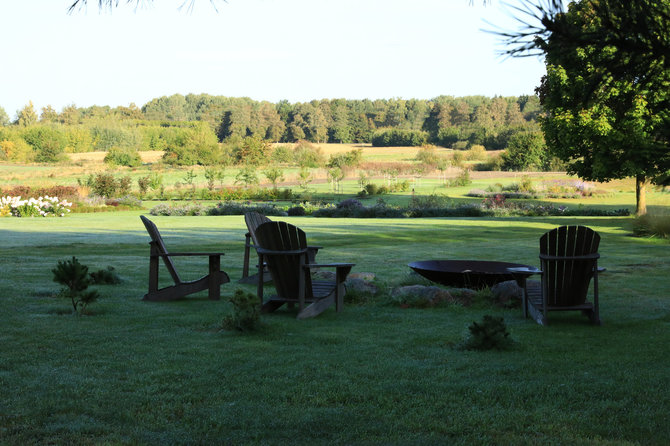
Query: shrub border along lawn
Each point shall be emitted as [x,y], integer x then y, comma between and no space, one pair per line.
[352,208]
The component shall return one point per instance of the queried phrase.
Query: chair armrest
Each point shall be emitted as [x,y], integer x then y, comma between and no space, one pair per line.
[269,252]
[190,254]
[328,265]
[314,247]
[585,257]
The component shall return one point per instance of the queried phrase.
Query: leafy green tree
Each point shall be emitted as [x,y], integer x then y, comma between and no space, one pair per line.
[156,183]
[351,158]
[79,139]
[526,151]
[203,141]
[606,90]
[48,115]
[189,178]
[340,131]
[210,177]
[26,116]
[4,118]
[305,177]
[396,137]
[167,108]
[143,185]
[247,176]
[70,115]
[235,122]
[48,143]
[252,150]
[317,124]
[274,175]
[195,145]
[114,134]
[428,155]
[123,157]
[335,176]
[16,149]
[308,155]
[130,112]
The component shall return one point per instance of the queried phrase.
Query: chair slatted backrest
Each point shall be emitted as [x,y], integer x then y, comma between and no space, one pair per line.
[566,281]
[285,269]
[253,221]
[159,245]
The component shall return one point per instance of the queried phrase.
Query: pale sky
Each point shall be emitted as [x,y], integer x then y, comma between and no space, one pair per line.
[297,50]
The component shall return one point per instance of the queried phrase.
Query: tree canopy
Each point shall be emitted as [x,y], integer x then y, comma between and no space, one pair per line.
[606,90]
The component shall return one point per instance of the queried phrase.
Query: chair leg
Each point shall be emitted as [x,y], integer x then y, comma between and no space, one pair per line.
[595,315]
[247,250]
[301,284]
[153,274]
[340,290]
[261,280]
[214,283]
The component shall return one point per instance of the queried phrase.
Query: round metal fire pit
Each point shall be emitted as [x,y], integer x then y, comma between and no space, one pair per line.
[466,273]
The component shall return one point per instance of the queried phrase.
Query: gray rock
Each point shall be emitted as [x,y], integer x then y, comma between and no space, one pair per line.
[421,296]
[361,286]
[507,293]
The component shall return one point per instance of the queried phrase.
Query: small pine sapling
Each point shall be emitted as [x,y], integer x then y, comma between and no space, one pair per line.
[74,276]
[489,334]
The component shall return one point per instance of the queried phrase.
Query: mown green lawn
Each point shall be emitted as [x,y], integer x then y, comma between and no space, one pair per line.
[135,372]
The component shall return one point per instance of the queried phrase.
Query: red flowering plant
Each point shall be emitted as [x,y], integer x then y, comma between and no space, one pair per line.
[494,201]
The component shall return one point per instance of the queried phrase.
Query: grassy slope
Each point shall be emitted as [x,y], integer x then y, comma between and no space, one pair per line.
[149,373]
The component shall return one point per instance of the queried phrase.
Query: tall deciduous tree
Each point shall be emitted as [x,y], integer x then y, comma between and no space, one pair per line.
[606,90]
[48,114]
[4,118]
[26,116]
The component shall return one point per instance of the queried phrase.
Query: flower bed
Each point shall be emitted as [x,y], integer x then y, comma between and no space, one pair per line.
[546,189]
[34,207]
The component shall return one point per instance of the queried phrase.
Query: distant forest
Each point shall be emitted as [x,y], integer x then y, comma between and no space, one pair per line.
[192,121]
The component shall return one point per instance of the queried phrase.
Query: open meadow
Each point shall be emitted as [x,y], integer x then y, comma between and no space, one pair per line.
[375,164]
[135,372]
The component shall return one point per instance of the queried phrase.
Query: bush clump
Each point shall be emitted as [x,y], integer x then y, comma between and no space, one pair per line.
[296,211]
[489,334]
[228,208]
[107,276]
[123,157]
[246,313]
[398,137]
[652,226]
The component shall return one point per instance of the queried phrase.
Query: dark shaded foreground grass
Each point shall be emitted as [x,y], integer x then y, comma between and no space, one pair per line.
[134,372]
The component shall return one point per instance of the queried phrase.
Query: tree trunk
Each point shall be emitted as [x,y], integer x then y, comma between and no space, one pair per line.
[640,195]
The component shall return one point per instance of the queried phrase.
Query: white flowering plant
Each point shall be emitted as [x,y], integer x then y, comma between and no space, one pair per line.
[34,207]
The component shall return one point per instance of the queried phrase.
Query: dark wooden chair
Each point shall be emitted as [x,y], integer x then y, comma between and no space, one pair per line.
[211,281]
[253,220]
[283,247]
[568,261]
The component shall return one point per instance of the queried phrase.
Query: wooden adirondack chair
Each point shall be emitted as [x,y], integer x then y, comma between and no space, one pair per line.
[284,248]
[568,260]
[211,281]
[253,221]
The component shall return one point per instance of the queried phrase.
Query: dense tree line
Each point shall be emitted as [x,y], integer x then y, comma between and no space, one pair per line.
[189,128]
[446,119]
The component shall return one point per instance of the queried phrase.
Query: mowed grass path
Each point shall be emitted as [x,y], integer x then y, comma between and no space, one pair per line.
[135,372]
